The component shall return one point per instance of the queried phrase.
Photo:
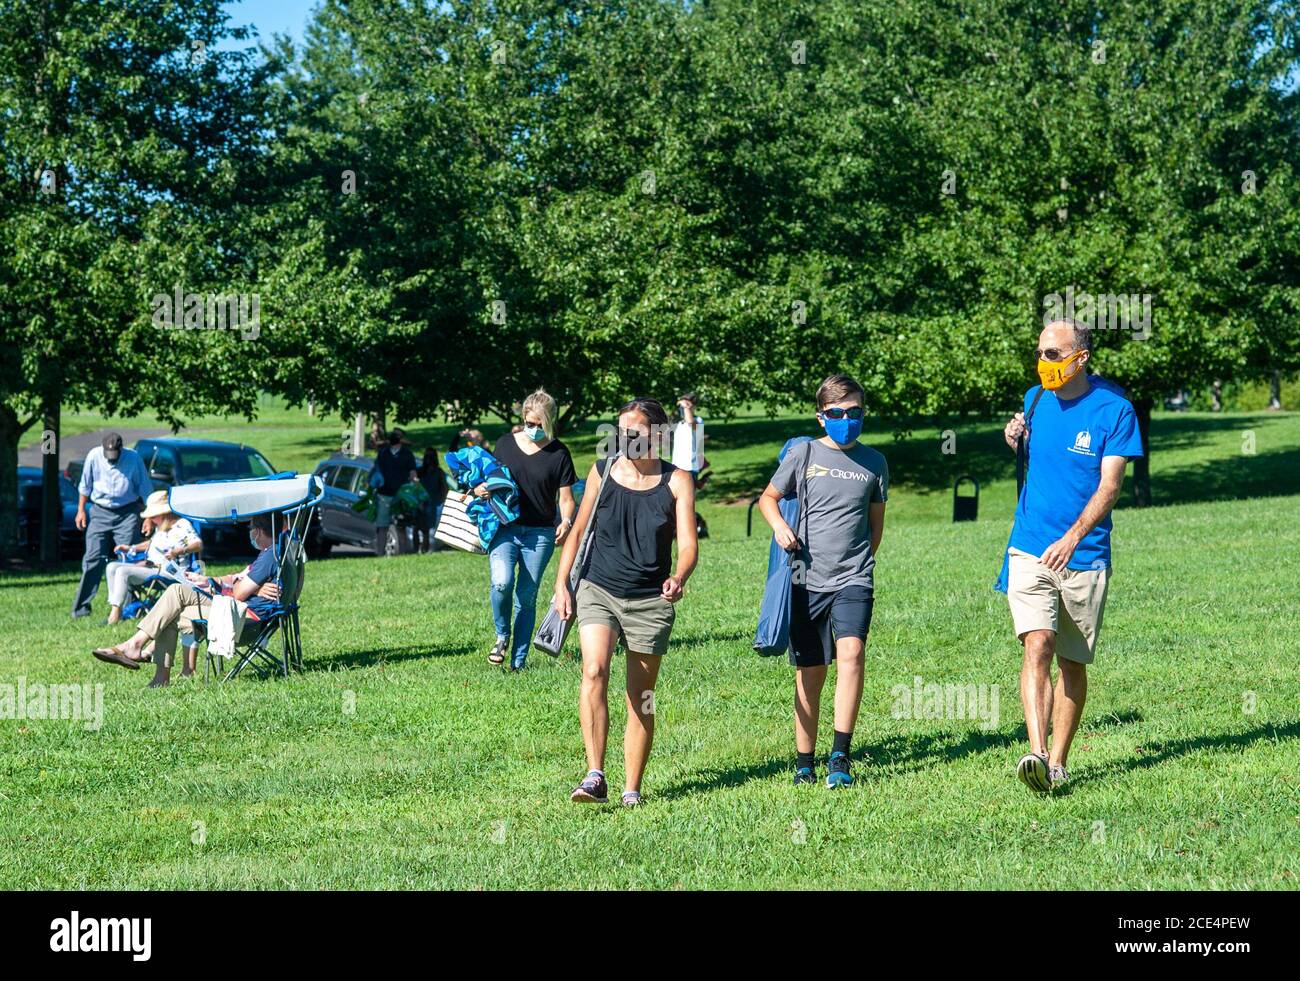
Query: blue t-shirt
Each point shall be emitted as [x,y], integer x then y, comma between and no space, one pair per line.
[261,572]
[1067,440]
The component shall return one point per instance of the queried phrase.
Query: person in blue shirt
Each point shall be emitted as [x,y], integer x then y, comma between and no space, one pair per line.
[183,603]
[116,482]
[1080,433]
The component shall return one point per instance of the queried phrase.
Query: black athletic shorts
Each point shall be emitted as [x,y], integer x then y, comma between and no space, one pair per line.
[816,619]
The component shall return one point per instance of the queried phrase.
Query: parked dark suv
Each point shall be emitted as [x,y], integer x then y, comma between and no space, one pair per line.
[30,481]
[172,460]
[336,522]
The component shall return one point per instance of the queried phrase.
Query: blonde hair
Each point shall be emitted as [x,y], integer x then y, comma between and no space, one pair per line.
[544,406]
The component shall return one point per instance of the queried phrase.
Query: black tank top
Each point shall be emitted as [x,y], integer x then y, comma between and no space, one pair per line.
[632,551]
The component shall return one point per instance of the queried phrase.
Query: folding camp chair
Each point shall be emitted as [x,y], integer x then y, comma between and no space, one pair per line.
[290,500]
[145,594]
[254,647]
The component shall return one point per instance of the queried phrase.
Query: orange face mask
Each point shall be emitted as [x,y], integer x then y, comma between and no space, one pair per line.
[1053,374]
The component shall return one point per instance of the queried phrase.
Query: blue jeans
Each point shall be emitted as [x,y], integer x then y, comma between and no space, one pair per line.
[528,549]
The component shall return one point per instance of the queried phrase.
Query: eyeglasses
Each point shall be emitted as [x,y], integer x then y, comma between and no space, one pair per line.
[853,412]
[1052,354]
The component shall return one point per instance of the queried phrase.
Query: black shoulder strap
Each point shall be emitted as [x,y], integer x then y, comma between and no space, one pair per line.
[1022,444]
[1033,405]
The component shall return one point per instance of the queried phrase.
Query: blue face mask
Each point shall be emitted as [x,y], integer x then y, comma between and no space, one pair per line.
[535,433]
[252,540]
[843,431]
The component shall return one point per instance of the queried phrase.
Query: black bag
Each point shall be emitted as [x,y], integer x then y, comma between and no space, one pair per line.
[552,631]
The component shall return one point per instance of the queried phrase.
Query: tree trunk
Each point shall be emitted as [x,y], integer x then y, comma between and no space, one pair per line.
[1142,465]
[1275,391]
[51,502]
[10,430]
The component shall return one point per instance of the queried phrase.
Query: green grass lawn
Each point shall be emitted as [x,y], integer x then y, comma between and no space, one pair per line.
[400,759]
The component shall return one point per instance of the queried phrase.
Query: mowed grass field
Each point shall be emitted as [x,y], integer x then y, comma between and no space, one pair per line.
[400,759]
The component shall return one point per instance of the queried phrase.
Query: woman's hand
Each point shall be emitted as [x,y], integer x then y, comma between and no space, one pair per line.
[673,588]
[562,531]
[482,491]
[563,601]
[122,548]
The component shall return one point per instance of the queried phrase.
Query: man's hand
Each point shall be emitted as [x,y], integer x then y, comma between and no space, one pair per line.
[672,589]
[1015,429]
[562,531]
[563,601]
[786,538]
[198,579]
[81,518]
[1057,555]
[269,590]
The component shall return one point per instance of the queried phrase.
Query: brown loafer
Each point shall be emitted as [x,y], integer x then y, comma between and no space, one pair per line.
[114,655]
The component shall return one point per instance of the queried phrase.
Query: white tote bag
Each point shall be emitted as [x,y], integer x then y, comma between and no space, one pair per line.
[456,528]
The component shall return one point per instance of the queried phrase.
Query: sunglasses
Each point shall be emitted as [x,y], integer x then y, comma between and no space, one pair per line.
[853,412]
[1052,354]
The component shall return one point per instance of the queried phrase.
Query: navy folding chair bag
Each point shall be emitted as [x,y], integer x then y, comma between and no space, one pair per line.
[772,638]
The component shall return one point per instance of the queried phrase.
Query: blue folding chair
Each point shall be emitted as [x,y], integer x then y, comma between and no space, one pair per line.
[290,499]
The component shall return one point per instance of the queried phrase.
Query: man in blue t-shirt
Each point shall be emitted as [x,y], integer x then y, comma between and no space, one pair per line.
[183,603]
[1080,432]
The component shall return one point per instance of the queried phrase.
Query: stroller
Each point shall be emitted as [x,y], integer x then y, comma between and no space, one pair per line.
[291,500]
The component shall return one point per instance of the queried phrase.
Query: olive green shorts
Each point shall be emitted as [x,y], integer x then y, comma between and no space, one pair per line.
[643,623]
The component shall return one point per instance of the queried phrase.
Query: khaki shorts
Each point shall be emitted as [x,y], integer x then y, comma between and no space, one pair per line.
[642,623]
[1069,603]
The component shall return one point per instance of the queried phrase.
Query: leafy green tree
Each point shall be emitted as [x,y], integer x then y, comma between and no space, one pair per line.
[123,131]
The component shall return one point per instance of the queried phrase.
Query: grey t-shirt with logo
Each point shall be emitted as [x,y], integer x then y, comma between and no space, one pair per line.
[836,530]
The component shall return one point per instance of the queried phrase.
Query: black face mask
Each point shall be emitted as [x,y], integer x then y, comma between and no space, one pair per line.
[394,440]
[633,445]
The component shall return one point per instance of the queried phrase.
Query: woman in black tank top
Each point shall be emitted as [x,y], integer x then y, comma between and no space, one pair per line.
[628,587]
[632,544]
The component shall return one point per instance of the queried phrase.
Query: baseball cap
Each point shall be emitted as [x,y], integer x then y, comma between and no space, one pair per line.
[112,447]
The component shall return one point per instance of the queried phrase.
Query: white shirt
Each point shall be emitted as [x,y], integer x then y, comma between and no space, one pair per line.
[178,535]
[688,445]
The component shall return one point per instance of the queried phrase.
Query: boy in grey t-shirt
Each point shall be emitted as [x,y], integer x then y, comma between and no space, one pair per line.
[842,516]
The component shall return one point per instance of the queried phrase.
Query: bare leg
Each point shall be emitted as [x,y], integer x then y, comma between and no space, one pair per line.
[642,672]
[1036,686]
[593,709]
[114,614]
[808,684]
[849,658]
[191,655]
[1067,707]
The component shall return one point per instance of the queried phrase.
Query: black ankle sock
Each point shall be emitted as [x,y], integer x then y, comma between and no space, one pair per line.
[803,761]
[841,743]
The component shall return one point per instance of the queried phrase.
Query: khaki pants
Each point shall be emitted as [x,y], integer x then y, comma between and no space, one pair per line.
[1069,603]
[177,609]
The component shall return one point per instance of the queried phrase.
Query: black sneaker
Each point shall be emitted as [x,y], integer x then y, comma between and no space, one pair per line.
[804,774]
[592,790]
[837,771]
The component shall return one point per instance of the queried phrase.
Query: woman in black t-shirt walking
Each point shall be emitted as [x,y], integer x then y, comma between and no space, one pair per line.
[542,468]
[628,587]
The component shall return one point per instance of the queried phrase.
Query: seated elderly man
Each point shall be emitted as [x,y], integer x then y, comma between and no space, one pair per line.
[183,603]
